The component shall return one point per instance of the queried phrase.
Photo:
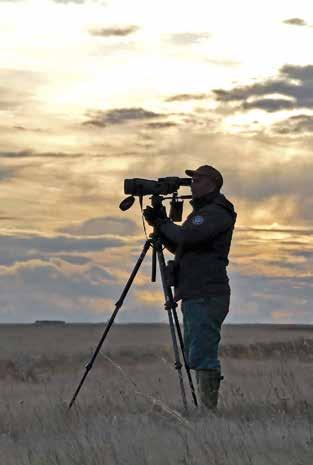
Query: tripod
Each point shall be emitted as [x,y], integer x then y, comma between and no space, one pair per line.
[170,306]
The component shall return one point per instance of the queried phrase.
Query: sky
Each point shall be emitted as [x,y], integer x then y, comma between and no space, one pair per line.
[93,92]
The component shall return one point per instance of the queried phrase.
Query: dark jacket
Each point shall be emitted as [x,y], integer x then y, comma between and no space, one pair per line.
[201,246]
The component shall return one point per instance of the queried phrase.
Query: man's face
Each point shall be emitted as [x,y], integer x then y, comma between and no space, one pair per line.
[200,186]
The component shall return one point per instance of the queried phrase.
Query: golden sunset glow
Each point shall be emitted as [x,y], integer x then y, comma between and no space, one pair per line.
[93,92]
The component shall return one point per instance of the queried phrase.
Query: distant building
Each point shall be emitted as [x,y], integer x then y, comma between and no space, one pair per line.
[50,322]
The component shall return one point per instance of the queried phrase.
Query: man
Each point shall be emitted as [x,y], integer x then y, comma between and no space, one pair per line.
[201,246]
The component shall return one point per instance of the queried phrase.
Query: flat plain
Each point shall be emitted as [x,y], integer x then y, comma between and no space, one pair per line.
[129,410]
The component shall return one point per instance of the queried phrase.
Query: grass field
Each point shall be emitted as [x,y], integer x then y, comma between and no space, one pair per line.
[129,410]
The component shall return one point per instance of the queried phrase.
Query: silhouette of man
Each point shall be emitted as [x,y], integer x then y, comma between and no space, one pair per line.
[201,246]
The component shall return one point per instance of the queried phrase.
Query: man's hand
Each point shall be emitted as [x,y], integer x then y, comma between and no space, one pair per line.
[154,217]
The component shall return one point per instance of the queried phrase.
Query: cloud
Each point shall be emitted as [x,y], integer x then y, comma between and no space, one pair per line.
[103,225]
[266,186]
[269,105]
[11,98]
[286,230]
[222,62]
[76,294]
[7,173]
[37,289]
[161,125]
[19,88]
[79,2]
[150,297]
[119,116]
[20,154]
[23,128]
[187,38]
[294,85]
[298,124]
[308,254]
[42,277]
[256,298]
[63,243]
[114,31]
[29,247]
[75,259]
[287,183]
[295,22]
[7,218]
[186,97]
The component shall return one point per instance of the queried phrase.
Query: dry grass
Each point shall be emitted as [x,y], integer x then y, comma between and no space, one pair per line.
[129,410]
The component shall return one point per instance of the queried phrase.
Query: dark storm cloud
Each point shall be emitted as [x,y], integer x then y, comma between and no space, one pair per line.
[114,31]
[186,97]
[103,225]
[295,22]
[294,83]
[295,125]
[186,38]
[119,116]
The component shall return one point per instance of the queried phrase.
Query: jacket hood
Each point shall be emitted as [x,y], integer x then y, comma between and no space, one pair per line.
[221,200]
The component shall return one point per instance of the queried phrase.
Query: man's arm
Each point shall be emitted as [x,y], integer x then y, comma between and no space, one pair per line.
[200,228]
[169,245]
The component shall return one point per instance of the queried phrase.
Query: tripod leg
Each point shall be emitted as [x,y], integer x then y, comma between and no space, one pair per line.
[181,341]
[118,305]
[172,304]
[178,364]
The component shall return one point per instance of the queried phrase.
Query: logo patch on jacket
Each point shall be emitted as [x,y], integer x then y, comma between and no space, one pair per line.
[198,219]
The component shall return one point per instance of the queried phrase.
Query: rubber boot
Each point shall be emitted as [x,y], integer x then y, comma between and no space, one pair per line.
[209,383]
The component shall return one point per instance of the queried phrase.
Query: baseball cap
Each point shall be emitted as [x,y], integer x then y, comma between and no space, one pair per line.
[210,171]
